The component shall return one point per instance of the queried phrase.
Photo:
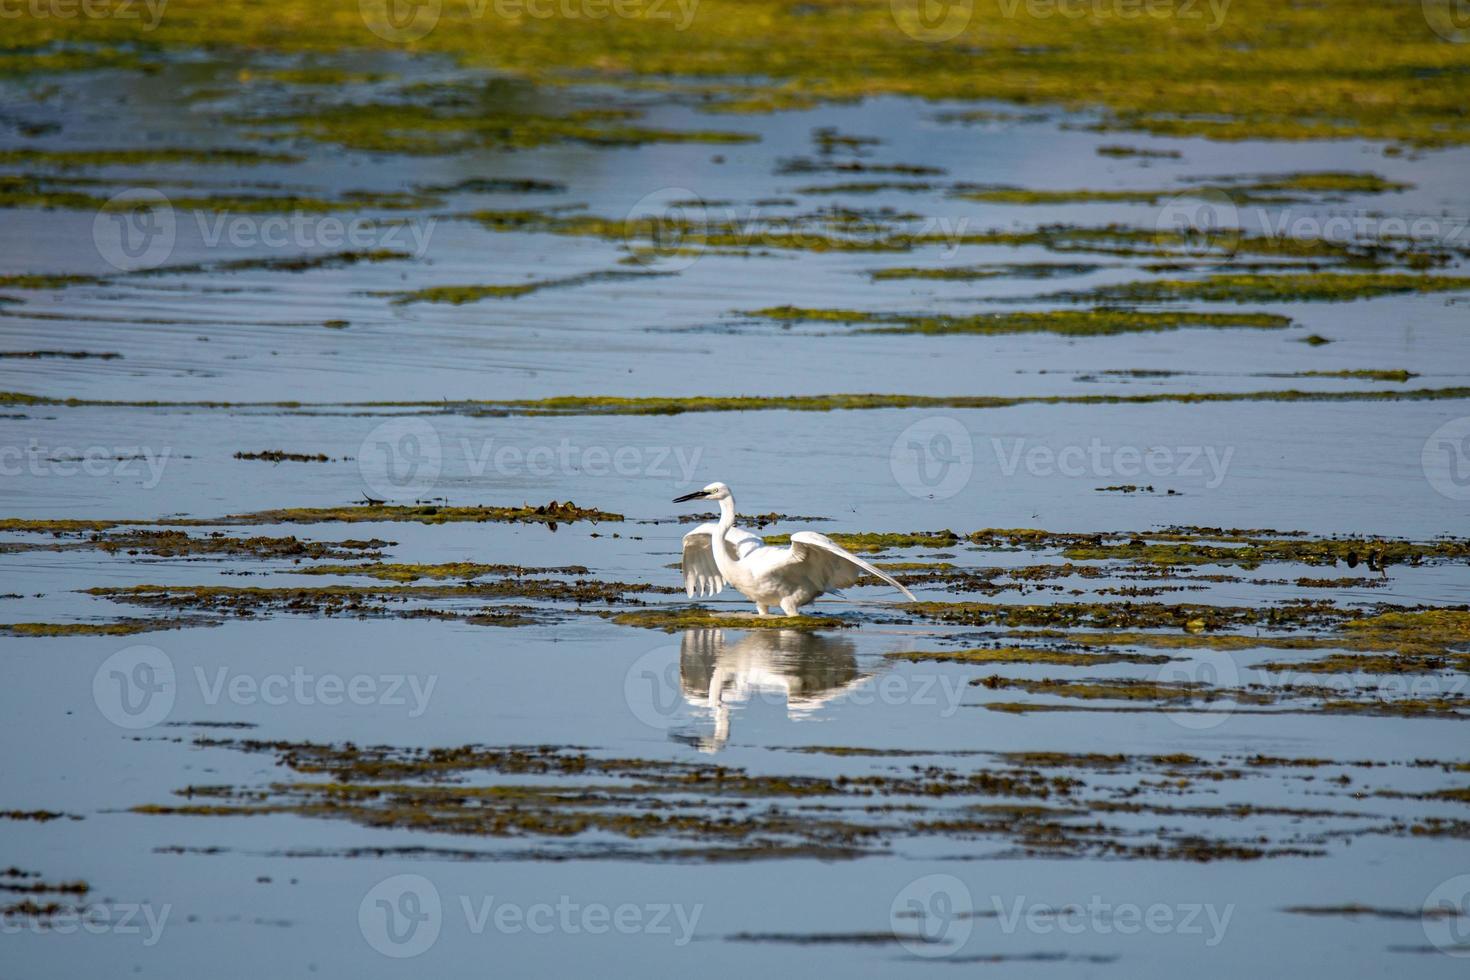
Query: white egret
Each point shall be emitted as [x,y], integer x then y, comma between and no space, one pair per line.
[720,554]
[805,670]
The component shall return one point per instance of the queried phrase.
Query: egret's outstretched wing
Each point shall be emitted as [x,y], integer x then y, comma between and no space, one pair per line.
[701,574]
[827,565]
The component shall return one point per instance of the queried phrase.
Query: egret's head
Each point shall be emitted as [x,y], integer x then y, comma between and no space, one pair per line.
[715,491]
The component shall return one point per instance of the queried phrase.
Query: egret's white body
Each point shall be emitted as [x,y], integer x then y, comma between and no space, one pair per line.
[720,554]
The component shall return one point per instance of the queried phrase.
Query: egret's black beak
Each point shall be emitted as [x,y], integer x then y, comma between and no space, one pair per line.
[689,496]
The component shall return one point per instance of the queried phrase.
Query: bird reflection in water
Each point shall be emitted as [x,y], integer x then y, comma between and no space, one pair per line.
[804,670]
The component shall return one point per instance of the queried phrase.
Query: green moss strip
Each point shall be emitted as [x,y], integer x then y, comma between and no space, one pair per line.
[616,405]
[1072,323]
[1305,287]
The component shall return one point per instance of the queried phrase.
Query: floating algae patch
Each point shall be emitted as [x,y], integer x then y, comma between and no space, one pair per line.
[698,617]
[322,75]
[1309,182]
[282,456]
[793,166]
[121,627]
[965,273]
[91,194]
[1304,287]
[1125,689]
[1073,323]
[1122,152]
[39,816]
[670,405]
[1248,552]
[1193,617]
[708,229]
[75,355]
[1398,641]
[494,185]
[550,514]
[44,281]
[1186,75]
[54,525]
[369,600]
[555,795]
[471,121]
[1355,910]
[80,535]
[867,187]
[296,263]
[883,541]
[825,230]
[1278,189]
[1025,655]
[396,572]
[833,938]
[1359,374]
[459,295]
[175,544]
[136,157]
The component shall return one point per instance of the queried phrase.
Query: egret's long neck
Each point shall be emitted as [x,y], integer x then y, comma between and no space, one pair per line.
[724,559]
